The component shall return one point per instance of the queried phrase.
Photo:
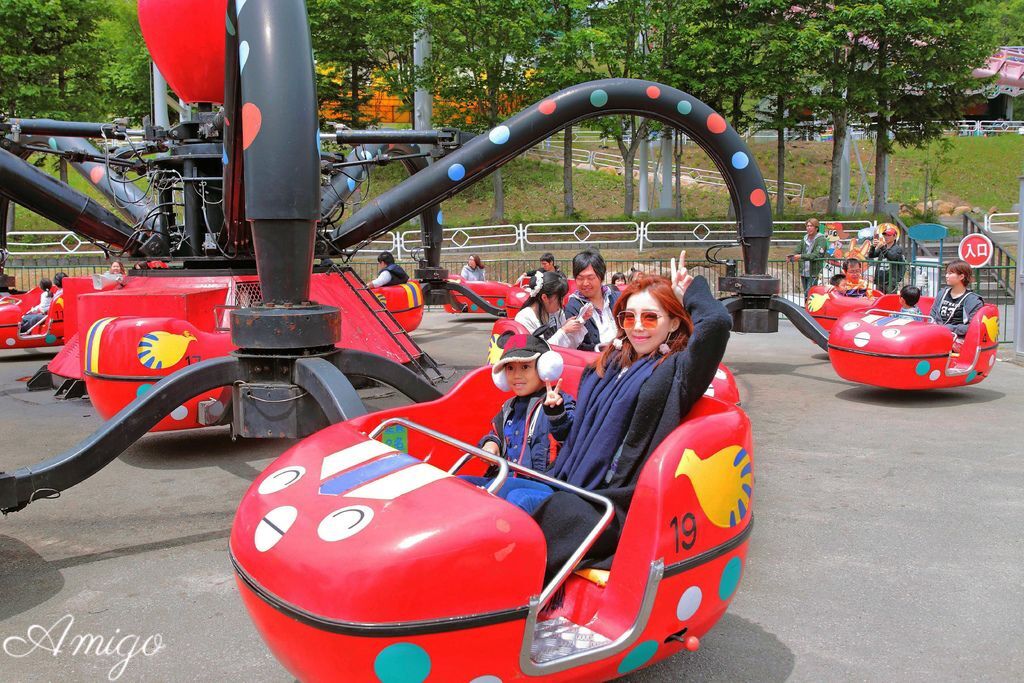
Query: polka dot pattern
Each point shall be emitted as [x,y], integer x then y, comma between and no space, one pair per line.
[740,160]
[179,413]
[758,197]
[499,135]
[547,107]
[252,121]
[689,603]
[402,663]
[243,55]
[971,376]
[653,91]
[922,368]
[52,142]
[716,124]
[96,174]
[851,326]
[730,578]
[638,656]
[456,172]
[684,107]
[350,183]
[934,375]
[486,679]
[143,388]
[440,218]
[891,333]
[9,341]
[861,339]
[599,98]
[50,339]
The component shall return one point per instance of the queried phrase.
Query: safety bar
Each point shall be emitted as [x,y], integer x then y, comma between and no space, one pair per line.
[921,316]
[444,438]
[504,466]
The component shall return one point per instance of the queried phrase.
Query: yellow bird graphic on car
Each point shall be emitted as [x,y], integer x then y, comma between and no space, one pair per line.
[159,350]
[723,483]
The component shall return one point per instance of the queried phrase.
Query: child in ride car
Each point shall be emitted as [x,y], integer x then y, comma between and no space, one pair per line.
[909,296]
[532,424]
[837,283]
[856,285]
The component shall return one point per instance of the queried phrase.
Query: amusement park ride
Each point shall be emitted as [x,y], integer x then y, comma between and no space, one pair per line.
[245,329]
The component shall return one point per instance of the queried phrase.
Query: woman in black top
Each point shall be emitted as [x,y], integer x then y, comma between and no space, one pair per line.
[956,305]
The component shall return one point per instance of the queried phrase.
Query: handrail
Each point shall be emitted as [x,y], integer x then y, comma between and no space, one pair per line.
[503,467]
[444,438]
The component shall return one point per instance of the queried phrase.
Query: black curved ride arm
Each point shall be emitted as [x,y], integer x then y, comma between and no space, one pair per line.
[363,364]
[475,298]
[19,488]
[330,388]
[801,319]
[486,153]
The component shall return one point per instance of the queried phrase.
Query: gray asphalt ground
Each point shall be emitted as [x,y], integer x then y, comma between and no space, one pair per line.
[887,544]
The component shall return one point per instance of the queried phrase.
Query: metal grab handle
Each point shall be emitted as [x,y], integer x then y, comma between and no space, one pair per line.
[503,468]
[444,438]
[922,316]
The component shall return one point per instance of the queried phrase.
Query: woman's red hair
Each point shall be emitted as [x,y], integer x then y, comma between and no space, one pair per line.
[661,289]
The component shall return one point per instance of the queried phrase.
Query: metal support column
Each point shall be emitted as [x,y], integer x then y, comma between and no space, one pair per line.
[665,197]
[161,117]
[644,179]
[423,103]
[1018,305]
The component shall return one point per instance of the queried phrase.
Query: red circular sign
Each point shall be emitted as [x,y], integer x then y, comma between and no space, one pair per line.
[976,249]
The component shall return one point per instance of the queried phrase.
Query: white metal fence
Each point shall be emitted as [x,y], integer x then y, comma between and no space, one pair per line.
[520,237]
[996,223]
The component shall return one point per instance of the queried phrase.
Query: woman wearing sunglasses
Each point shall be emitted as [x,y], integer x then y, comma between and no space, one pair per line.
[672,336]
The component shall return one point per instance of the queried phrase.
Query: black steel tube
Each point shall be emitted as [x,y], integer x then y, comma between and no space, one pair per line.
[45,195]
[801,319]
[21,487]
[73,129]
[370,137]
[486,153]
[280,144]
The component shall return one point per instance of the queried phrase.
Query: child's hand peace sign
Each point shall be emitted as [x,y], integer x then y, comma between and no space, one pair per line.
[554,397]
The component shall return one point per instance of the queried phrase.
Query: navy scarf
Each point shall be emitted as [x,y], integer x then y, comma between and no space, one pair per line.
[604,411]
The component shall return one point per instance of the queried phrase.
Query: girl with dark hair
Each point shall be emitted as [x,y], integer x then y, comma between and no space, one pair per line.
[474,270]
[542,314]
[671,338]
[35,315]
[956,305]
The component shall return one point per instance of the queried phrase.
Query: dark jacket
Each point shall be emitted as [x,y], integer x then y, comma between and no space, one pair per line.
[815,255]
[669,393]
[545,428]
[970,304]
[576,303]
[889,271]
[398,274]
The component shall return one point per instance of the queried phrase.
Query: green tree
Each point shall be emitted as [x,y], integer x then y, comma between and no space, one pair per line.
[48,57]
[1004,21]
[124,75]
[922,53]
[480,61]
[567,56]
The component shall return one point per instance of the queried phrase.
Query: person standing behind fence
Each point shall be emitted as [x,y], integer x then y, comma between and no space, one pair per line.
[889,271]
[473,271]
[811,253]
[588,268]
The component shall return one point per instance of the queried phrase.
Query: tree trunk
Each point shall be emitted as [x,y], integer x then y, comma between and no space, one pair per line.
[627,178]
[62,164]
[839,133]
[780,151]
[498,214]
[570,209]
[354,114]
[881,167]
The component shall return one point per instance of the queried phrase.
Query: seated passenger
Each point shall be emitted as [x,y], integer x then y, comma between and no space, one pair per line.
[388,272]
[956,305]
[474,271]
[531,425]
[547,265]
[837,284]
[117,271]
[909,296]
[35,314]
[671,339]
[856,285]
[115,276]
[592,300]
[542,314]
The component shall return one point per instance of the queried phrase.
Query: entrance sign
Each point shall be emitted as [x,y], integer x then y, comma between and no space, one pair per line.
[976,249]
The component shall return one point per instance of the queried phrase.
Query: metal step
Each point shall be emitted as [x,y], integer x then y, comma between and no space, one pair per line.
[557,638]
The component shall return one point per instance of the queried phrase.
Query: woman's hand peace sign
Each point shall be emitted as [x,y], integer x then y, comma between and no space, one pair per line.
[554,397]
[681,278]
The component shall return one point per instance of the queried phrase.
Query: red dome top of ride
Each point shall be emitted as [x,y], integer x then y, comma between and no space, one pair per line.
[186,41]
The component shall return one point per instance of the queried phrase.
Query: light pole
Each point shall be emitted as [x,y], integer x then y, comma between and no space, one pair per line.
[1018,308]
